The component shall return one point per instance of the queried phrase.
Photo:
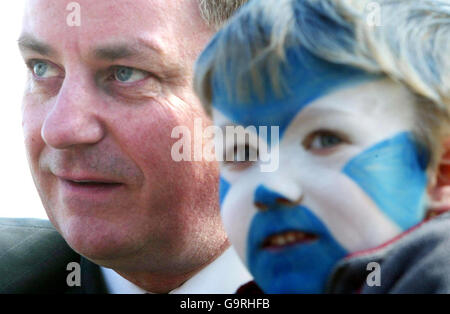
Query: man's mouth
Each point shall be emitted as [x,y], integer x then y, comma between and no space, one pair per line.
[288,238]
[88,183]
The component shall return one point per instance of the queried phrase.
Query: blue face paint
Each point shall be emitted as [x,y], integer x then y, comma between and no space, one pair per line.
[224,186]
[307,79]
[306,267]
[393,174]
[299,268]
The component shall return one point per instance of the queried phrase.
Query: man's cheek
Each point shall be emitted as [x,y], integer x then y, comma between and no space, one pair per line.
[148,142]
[35,109]
[34,144]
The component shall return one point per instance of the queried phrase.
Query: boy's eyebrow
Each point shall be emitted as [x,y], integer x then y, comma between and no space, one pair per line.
[226,124]
[318,111]
[31,43]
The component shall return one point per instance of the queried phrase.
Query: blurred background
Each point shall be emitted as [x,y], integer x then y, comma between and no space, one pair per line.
[18,196]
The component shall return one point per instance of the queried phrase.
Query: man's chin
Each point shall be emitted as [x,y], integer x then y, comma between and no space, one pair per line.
[97,239]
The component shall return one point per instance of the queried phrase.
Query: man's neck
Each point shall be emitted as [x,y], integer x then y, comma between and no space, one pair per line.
[156,283]
[164,283]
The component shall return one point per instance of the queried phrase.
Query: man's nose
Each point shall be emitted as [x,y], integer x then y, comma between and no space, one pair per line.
[274,197]
[72,120]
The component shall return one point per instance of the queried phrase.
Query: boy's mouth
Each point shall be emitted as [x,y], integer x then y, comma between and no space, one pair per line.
[287,238]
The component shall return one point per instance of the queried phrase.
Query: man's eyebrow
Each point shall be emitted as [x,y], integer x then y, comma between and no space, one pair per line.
[28,42]
[146,52]
[112,52]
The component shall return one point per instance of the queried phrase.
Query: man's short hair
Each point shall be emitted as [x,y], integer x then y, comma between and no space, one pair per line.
[217,12]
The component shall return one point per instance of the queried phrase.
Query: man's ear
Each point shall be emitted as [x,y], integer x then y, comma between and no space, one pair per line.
[439,185]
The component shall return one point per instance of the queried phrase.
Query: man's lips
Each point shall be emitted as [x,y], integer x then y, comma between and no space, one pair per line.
[287,238]
[89,182]
[92,183]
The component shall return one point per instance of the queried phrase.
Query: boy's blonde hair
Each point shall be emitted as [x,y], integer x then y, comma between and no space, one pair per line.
[406,40]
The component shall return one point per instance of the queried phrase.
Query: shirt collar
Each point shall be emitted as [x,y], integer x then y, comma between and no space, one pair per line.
[223,276]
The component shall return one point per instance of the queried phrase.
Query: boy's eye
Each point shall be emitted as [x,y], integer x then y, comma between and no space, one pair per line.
[42,69]
[128,75]
[322,140]
[240,157]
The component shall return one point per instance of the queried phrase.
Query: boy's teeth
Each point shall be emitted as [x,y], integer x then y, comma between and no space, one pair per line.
[290,237]
[287,238]
[279,240]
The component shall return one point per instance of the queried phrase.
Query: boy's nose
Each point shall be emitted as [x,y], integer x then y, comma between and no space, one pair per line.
[266,198]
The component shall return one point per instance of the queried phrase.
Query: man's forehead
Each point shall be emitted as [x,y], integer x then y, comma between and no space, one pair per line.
[115,28]
[100,10]
[47,21]
[108,36]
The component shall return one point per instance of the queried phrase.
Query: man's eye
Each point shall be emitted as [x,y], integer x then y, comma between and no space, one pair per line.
[129,75]
[42,69]
[322,140]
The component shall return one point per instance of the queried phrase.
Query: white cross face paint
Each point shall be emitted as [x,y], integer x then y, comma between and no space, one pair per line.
[335,156]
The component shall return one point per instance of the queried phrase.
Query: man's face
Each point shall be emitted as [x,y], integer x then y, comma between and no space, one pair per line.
[351,176]
[100,104]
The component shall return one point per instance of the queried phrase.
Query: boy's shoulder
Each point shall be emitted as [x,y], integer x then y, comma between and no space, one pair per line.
[33,256]
[417,261]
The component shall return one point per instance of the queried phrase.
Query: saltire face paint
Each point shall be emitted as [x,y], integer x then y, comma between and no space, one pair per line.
[308,252]
[393,174]
[351,174]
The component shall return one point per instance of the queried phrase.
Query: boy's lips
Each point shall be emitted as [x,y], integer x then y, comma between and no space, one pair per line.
[287,238]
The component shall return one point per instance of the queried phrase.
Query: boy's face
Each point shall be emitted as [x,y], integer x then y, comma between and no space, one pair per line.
[350,176]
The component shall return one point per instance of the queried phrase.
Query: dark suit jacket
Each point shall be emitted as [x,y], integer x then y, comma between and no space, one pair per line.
[34,259]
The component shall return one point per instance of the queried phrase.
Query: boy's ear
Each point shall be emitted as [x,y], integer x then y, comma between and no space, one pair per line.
[439,187]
